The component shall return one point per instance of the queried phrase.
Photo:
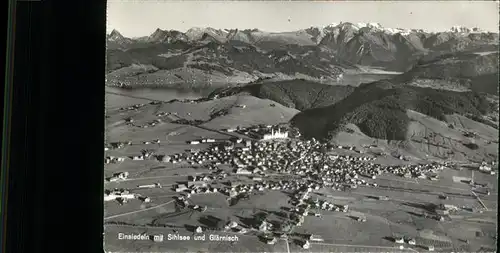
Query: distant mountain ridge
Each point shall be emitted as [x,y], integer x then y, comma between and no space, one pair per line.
[196,32]
[211,55]
[343,32]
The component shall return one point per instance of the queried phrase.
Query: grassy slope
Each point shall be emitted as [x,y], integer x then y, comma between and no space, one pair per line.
[257,111]
[298,94]
[214,58]
[429,138]
[381,113]
[458,71]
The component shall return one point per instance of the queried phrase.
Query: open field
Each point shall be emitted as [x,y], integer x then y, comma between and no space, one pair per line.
[391,217]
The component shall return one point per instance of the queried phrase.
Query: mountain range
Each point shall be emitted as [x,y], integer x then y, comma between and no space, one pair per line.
[208,56]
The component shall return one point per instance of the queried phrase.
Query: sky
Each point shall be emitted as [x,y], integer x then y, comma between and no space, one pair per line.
[141,18]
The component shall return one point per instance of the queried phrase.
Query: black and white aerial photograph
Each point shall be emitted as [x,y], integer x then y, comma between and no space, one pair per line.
[301,126]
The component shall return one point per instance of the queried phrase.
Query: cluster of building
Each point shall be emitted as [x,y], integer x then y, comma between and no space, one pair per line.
[485,168]
[304,166]
[112,159]
[204,140]
[308,161]
[120,195]
[116,145]
[145,154]
[152,123]
[183,201]
[265,132]
[132,108]
[328,206]
[196,188]
[401,240]
[297,166]
[275,135]
[118,176]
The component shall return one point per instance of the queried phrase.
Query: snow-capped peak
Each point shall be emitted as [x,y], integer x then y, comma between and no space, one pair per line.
[332,25]
[198,32]
[462,29]
[459,29]
[371,26]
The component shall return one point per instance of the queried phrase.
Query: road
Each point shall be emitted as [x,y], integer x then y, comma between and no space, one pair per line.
[420,191]
[361,246]
[224,133]
[424,184]
[480,201]
[146,178]
[287,245]
[138,211]
[157,177]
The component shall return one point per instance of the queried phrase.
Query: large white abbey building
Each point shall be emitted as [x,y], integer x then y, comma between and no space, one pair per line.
[275,135]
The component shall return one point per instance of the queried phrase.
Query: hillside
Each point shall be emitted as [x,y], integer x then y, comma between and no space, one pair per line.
[477,71]
[428,138]
[211,116]
[298,94]
[381,112]
[431,109]
[210,60]
[461,71]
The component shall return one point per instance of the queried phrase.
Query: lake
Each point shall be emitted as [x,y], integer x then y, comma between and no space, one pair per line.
[357,79]
[119,97]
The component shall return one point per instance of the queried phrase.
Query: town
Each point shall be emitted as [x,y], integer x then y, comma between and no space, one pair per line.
[273,158]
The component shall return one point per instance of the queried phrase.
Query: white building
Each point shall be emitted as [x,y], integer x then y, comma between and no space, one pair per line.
[429,247]
[123,175]
[243,172]
[485,168]
[110,197]
[276,135]
[199,230]
[340,77]
[145,199]
[181,187]
[306,245]
[114,196]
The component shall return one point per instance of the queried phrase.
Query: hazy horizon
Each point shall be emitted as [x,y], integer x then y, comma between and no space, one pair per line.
[136,19]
